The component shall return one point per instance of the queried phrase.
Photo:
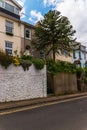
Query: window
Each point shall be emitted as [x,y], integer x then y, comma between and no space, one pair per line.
[64,52]
[74,54]
[8,47]
[16,11]
[9,7]
[27,33]
[85,55]
[9,27]
[79,54]
[1,3]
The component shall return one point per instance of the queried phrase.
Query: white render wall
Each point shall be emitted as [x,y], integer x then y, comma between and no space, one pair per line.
[17,84]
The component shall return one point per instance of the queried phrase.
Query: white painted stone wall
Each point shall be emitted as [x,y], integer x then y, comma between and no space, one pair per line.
[17,84]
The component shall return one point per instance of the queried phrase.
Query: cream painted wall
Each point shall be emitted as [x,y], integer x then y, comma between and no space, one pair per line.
[16,38]
[64,58]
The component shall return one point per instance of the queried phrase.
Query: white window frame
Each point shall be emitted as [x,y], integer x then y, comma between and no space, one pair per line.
[3,5]
[9,7]
[9,47]
[9,27]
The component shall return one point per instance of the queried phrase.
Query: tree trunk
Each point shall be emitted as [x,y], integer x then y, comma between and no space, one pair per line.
[54,55]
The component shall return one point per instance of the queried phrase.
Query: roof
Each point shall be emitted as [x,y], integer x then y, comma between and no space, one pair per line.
[17,4]
[27,24]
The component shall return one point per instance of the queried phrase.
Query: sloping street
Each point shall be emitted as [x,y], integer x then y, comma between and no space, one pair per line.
[68,115]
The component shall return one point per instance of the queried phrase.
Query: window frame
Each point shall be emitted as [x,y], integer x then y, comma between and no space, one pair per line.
[9,7]
[27,29]
[9,27]
[9,47]
[2,3]
[74,54]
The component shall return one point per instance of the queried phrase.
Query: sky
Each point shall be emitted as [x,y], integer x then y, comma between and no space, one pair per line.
[75,10]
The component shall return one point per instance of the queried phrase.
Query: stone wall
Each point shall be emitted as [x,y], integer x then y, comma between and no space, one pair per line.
[62,83]
[17,84]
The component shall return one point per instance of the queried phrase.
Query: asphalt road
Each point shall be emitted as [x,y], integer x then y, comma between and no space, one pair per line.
[71,115]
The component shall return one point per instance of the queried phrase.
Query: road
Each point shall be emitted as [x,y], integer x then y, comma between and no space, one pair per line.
[68,115]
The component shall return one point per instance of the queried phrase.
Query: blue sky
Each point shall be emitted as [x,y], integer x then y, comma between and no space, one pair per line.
[34,10]
[75,10]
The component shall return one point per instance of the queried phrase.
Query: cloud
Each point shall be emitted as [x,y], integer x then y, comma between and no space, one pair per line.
[35,16]
[75,10]
[50,2]
[22,13]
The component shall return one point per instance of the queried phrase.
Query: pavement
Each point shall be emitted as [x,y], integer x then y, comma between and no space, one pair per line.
[31,102]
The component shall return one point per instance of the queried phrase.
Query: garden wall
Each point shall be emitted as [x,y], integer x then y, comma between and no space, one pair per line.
[17,84]
[62,83]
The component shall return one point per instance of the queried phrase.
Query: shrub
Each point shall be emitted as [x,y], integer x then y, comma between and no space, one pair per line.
[16,61]
[60,66]
[25,64]
[5,59]
[85,69]
[38,63]
[24,61]
[51,66]
[24,57]
[79,71]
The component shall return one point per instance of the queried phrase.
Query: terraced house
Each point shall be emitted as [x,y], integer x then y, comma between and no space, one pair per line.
[79,56]
[15,35]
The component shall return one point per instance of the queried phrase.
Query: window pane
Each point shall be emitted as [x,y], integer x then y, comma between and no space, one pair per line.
[27,33]
[9,7]
[8,23]
[9,27]
[1,3]
[8,51]
[8,47]
[16,11]
[74,54]
[8,44]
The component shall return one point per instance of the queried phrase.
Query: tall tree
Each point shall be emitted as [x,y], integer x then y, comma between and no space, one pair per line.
[54,33]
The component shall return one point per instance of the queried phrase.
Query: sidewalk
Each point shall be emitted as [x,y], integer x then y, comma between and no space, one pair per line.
[31,102]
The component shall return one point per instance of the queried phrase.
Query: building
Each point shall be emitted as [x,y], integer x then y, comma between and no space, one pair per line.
[15,35]
[63,56]
[26,39]
[79,55]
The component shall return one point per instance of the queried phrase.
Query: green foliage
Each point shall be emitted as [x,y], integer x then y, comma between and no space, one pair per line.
[60,66]
[24,61]
[25,64]
[79,71]
[24,57]
[54,33]
[85,79]
[5,59]
[85,70]
[51,66]
[38,63]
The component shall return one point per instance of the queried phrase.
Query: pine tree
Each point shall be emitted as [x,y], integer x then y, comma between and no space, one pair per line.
[54,33]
